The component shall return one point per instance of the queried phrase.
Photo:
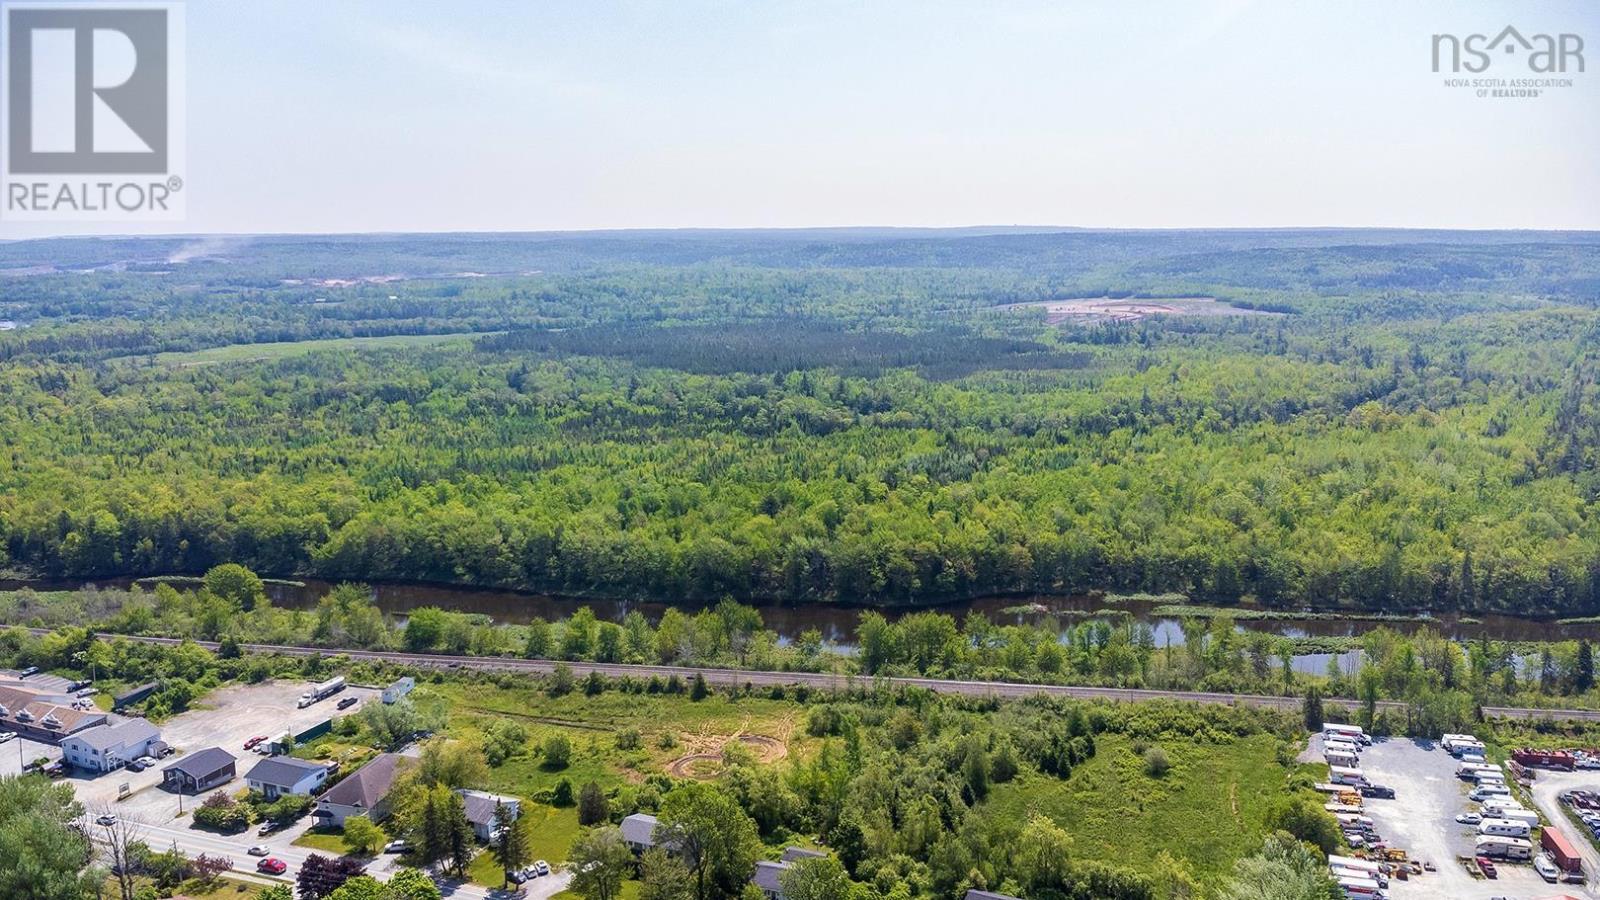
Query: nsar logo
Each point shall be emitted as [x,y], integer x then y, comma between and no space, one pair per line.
[1544,54]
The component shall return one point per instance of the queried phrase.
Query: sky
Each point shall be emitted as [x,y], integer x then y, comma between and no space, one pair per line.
[363,115]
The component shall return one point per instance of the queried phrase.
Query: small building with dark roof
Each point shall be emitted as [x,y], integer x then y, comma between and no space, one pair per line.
[768,877]
[200,771]
[279,775]
[480,808]
[639,830]
[364,792]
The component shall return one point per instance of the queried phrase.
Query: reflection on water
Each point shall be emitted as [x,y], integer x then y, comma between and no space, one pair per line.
[837,624]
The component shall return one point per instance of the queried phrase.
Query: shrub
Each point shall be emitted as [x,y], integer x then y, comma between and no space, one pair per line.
[557,752]
[1156,763]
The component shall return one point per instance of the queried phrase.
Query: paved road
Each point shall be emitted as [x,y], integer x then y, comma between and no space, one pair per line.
[827,681]
[193,842]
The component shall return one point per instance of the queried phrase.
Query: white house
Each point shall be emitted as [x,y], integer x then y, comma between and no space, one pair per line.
[480,807]
[104,748]
[394,692]
[281,775]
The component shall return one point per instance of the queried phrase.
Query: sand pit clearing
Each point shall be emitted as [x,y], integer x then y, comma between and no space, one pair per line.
[1131,309]
[708,763]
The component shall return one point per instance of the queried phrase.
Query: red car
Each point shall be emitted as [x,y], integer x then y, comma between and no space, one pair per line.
[272,866]
[250,744]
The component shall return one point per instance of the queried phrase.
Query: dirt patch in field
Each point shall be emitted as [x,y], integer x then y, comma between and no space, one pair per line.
[1131,309]
[707,760]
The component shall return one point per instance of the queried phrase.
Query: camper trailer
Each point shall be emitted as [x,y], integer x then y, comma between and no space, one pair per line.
[1497,847]
[1346,775]
[1504,828]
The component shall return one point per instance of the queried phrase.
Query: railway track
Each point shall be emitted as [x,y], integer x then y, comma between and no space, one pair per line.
[832,681]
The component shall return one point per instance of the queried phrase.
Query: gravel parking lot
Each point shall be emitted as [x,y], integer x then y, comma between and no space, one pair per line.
[1421,820]
[1546,785]
[226,719]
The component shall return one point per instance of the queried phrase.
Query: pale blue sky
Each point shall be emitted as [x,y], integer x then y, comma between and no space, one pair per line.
[429,116]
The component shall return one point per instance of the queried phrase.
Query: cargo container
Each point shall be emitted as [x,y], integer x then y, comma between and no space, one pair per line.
[1561,851]
[1549,759]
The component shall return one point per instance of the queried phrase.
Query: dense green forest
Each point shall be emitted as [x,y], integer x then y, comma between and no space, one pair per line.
[1404,420]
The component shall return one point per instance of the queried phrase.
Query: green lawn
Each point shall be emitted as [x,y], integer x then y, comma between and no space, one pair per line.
[1208,810]
[283,349]
[630,891]
[552,830]
[326,841]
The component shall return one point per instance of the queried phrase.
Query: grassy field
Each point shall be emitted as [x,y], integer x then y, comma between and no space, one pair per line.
[326,841]
[592,724]
[1208,810]
[283,349]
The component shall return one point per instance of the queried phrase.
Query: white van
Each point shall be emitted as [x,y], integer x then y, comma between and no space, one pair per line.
[1504,828]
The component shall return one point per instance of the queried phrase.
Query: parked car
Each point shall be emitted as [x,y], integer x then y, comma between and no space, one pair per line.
[83,693]
[107,820]
[267,827]
[251,744]
[1546,868]
[147,761]
[1487,867]
[517,877]
[259,850]
[272,866]
[7,736]
[542,867]
[31,670]
[1377,791]
[1469,818]
[137,766]
[348,702]
[396,847]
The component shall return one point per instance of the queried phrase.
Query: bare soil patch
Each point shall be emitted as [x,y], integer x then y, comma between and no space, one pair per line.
[1131,309]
